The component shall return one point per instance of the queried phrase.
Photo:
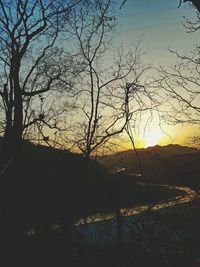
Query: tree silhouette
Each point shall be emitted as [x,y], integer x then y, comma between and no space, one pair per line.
[109,90]
[181,82]
[195,3]
[28,33]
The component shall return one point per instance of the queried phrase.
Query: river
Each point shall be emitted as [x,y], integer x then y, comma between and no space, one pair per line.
[102,228]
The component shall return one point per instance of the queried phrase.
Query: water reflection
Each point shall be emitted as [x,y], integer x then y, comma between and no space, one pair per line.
[103,228]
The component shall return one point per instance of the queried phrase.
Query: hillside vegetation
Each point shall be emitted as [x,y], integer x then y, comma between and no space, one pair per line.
[172,164]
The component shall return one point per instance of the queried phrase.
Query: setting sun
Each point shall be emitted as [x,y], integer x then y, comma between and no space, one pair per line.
[152,137]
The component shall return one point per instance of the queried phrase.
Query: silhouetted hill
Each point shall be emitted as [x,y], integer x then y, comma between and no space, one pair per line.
[150,157]
[187,168]
[160,164]
[44,191]
[45,185]
[44,162]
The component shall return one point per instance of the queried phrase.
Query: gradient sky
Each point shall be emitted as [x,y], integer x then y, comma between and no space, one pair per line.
[158,24]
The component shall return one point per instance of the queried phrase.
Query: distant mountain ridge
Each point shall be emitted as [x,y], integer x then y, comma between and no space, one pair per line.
[155,161]
[171,148]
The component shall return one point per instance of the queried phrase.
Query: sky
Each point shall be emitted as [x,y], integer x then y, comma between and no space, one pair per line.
[158,23]
[159,26]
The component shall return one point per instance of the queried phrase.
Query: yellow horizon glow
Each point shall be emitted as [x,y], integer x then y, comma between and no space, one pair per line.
[152,137]
[174,134]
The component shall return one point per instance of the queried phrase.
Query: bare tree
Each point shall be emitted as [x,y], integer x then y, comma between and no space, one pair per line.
[181,82]
[28,34]
[123,3]
[195,3]
[182,86]
[110,91]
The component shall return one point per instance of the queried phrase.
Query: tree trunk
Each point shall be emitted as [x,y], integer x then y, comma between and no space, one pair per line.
[11,166]
[18,112]
[119,222]
[14,126]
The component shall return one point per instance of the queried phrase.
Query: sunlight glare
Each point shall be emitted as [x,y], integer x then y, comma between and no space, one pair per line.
[152,137]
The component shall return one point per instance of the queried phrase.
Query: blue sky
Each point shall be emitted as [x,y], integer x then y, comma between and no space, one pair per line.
[158,23]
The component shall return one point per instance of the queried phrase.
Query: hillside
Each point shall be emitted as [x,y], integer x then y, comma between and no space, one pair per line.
[162,164]
[58,182]
[44,184]
[187,168]
[47,190]
[55,165]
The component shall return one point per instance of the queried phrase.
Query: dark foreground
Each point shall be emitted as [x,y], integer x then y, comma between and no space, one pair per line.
[45,192]
[170,237]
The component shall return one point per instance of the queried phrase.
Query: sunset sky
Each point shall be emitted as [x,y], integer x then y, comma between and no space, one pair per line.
[159,26]
[158,23]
